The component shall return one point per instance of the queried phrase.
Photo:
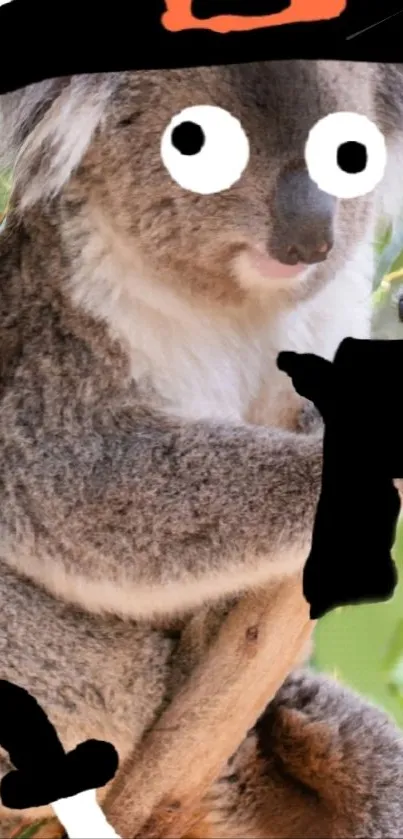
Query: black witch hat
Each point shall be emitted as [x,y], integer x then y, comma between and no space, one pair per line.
[44,41]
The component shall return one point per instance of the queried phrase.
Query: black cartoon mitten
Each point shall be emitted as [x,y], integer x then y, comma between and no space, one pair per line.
[45,774]
[350,560]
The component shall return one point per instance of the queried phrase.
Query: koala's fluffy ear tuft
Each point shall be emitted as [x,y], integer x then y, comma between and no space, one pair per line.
[389,115]
[389,97]
[21,111]
[46,128]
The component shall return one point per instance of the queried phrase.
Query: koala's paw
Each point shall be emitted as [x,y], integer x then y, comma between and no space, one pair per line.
[398,482]
[309,420]
[311,376]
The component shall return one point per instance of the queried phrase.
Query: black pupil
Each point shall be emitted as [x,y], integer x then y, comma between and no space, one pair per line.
[352,157]
[188,138]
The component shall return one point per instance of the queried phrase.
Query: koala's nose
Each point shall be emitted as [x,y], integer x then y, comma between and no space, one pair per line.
[303,218]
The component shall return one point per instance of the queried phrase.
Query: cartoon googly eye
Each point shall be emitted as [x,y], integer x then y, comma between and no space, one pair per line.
[346,155]
[205,149]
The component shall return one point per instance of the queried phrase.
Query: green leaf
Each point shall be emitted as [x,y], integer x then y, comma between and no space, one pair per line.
[5,188]
[30,830]
[390,252]
[383,236]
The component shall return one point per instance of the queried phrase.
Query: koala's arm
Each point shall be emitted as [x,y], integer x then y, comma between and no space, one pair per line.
[163,513]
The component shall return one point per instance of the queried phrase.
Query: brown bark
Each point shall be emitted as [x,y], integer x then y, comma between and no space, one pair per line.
[158,793]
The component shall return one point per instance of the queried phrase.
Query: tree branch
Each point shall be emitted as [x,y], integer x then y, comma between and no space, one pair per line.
[158,793]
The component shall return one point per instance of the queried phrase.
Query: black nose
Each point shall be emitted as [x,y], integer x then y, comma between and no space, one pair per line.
[303,219]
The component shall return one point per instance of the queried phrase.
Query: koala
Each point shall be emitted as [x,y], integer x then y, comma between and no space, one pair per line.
[155,461]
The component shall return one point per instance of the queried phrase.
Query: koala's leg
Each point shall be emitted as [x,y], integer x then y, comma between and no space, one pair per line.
[94,676]
[320,764]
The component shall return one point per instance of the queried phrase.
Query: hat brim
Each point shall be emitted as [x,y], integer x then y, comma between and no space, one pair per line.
[45,41]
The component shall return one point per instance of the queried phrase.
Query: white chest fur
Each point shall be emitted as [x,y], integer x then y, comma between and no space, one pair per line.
[201,366]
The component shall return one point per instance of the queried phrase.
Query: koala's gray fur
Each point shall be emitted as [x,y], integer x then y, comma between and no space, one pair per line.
[153,458]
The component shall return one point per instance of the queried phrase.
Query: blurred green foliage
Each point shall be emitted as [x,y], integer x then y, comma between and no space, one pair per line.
[361,645]
[5,183]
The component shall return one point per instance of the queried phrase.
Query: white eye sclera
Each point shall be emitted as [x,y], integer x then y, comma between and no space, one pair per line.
[346,154]
[205,149]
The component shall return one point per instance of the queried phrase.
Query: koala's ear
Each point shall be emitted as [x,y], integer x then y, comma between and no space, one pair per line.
[388,80]
[389,97]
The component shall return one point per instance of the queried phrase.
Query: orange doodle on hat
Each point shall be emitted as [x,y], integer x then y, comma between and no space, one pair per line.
[179,16]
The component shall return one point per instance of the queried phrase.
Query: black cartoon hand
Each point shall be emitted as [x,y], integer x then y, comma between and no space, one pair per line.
[311,375]
[44,773]
[350,562]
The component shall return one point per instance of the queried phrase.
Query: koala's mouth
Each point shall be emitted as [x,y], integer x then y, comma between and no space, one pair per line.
[256,269]
[271,268]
